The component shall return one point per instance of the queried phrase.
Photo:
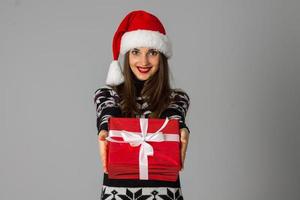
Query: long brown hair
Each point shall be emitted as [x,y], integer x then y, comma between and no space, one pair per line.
[156,90]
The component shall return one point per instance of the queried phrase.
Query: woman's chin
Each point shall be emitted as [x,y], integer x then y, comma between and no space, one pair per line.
[143,78]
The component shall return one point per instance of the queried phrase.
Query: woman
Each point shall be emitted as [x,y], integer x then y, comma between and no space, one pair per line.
[141,90]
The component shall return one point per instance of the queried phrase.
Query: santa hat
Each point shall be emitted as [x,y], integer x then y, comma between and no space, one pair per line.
[138,29]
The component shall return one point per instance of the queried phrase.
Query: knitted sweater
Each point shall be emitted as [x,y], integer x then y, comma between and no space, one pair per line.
[107,103]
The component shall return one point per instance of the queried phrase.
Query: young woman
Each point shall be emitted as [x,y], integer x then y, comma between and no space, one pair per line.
[141,89]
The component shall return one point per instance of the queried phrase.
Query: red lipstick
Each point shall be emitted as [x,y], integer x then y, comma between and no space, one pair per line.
[144,70]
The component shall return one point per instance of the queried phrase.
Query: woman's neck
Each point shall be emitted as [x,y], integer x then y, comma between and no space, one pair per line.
[139,84]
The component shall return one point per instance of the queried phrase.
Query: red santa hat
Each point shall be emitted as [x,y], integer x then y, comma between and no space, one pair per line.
[138,29]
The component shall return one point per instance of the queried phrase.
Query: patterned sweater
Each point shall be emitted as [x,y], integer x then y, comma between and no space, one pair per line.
[107,103]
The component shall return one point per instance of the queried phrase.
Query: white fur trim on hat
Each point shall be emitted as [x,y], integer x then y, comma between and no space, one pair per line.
[146,38]
[114,75]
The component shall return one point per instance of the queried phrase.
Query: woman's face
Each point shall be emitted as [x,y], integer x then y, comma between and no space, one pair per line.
[144,62]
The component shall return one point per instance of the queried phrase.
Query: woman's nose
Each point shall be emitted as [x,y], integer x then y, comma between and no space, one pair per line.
[144,59]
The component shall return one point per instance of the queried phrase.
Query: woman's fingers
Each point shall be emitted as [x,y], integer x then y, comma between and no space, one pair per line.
[184,140]
[103,149]
[102,135]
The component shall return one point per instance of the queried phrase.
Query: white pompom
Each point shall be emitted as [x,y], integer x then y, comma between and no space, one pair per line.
[115,75]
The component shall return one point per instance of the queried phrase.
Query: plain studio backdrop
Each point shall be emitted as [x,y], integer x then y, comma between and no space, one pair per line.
[238,60]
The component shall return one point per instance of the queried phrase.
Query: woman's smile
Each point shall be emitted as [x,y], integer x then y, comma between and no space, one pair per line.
[144,70]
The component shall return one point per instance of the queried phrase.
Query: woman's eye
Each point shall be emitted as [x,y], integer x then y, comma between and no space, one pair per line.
[134,52]
[154,53]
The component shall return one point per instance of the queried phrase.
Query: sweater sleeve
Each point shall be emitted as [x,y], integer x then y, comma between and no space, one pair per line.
[106,101]
[178,107]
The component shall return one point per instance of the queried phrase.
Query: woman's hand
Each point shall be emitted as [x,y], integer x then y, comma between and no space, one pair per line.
[103,148]
[184,139]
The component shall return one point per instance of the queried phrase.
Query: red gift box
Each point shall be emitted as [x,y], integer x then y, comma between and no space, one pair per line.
[142,148]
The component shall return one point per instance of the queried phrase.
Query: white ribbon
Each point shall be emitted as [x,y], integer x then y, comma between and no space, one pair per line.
[135,139]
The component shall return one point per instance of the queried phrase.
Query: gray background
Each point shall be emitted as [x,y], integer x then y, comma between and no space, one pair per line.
[238,60]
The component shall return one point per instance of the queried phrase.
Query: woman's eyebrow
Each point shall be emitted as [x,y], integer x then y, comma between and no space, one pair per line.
[136,49]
